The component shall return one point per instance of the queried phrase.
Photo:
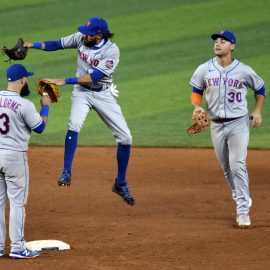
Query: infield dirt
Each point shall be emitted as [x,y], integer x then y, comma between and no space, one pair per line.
[184,217]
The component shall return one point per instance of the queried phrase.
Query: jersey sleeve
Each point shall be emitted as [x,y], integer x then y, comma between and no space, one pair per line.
[197,79]
[111,59]
[71,41]
[253,80]
[30,115]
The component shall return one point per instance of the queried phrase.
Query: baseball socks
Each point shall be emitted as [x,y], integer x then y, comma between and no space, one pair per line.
[123,153]
[70,148]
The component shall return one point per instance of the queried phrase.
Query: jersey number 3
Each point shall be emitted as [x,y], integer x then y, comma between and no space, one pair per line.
[4,123]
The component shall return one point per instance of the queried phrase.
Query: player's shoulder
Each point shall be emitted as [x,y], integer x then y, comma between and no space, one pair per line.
[110,45]
[27,107]
[205,66]
[10,95]
[75,35]
[27,103]
[246,68]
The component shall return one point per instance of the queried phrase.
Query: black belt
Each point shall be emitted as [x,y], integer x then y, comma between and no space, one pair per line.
[94,87]
[223,120]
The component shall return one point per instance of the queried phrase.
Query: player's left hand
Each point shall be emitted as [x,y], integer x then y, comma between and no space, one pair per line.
[59,82]
[256,119]
[28,44]
[114,91]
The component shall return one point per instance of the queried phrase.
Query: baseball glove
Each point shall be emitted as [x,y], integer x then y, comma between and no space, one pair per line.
[18,52]
[51,89]
[201,122]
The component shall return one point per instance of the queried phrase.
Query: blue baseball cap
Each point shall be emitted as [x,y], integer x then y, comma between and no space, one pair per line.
[94,26]
[16,72]
[227,35]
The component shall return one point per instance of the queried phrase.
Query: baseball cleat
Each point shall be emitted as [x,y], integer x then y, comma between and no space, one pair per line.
[123,191]
[2,253]
[243,221]
[249,205]
[23,254]
[65,179]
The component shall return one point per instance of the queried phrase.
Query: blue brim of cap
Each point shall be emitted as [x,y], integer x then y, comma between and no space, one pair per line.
[29,73]
[85,30]
[215,36]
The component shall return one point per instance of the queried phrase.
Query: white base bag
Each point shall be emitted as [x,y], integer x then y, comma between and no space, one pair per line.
[43,245]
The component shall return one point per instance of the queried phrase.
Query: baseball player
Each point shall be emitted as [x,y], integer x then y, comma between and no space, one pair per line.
[225,81]
[18,117]
[97,59]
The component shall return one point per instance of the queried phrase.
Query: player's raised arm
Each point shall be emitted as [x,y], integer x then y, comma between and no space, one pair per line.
[50,45]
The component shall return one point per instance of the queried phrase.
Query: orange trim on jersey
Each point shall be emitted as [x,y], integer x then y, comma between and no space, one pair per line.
[196,98]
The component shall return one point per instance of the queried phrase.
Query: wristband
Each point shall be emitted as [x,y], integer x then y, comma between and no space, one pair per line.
[45,110]
[71,80]
[37,45]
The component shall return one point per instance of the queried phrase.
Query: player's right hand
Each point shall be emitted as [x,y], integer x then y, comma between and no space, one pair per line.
[45,100]
[58,82]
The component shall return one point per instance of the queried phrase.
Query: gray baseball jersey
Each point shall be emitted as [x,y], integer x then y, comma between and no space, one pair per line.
[226,88]
[105,58]
[17,117]
[225,91]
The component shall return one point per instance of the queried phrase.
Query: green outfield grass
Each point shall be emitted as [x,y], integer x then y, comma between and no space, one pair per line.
[161,42]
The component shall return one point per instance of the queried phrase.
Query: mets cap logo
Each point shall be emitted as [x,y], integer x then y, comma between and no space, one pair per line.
[88,23]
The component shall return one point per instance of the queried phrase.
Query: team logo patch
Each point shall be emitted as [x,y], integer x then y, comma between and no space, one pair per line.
[109,64]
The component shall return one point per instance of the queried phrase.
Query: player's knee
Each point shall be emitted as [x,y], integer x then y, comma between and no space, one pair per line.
[125,140]
[75,126]
[238,166]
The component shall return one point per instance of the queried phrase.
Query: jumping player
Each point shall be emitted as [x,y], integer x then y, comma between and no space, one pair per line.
[225,80]
[97,59]
[18,117]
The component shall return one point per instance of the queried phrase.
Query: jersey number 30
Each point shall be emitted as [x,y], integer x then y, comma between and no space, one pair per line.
[4,123]
[235,97]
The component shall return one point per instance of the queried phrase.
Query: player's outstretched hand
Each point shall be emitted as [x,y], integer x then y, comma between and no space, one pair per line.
[27,44]
[256,119]
[58,82]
